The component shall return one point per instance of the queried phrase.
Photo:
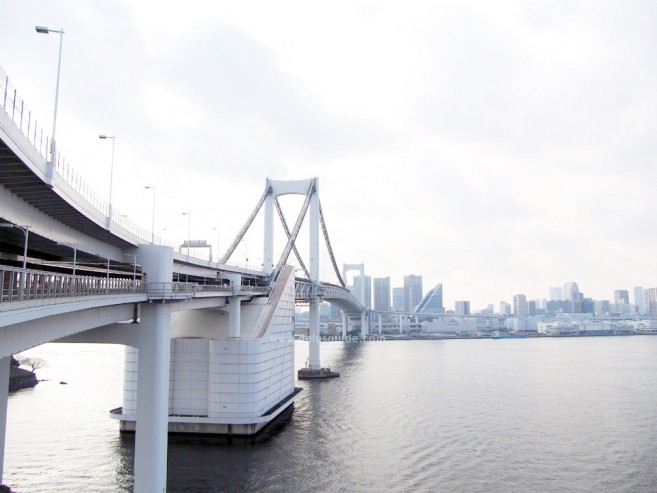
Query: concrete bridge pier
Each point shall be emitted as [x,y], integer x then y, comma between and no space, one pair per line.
[313,332]
[345,325]
[4,390]
[234,318]
[154,354]
[364,322]
[151,436]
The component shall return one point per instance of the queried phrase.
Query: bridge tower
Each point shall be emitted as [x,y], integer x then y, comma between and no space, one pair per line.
[364,319]
[311,207]
[309,188]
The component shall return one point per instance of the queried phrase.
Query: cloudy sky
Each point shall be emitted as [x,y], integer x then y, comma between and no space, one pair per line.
[497,147]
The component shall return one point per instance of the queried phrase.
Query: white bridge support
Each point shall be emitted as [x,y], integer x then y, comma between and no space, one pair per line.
[234,318]
[309,188]
[314,362]
[154,345]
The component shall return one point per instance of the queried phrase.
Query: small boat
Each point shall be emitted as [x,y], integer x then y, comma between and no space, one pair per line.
[510,336]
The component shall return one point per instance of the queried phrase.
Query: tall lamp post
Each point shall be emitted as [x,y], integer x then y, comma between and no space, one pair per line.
[74,246]
[45,30]
[218,251]
[109,213]
[149,187]
[189,223]
[134,264]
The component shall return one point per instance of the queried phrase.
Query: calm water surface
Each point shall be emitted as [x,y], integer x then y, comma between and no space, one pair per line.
[524,415]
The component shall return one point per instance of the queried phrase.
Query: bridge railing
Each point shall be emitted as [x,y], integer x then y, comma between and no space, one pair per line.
[25,285]
[166,290]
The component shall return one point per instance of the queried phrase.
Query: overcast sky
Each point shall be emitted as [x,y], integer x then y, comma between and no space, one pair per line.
[497,147]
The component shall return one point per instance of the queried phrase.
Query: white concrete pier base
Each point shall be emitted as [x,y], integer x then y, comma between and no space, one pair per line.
[234,318]
[4,389]
[151,438]
[313,359]
[345,325]
[363,324]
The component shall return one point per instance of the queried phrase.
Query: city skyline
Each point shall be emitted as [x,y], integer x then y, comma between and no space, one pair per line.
[458,140]
[569,290]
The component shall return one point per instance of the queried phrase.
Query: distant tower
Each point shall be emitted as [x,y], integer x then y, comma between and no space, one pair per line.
[462,307]
[638,299]
[650,301]
[382,294]
[432,303]
[570,291]
[520,306]
[398,299]
[621,297]
[366,290]
[571,294]
[505,308]
[556,294]
[412,292]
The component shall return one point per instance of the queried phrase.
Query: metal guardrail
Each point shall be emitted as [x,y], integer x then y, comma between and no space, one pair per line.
[189,289]
[25,285]
[18,285]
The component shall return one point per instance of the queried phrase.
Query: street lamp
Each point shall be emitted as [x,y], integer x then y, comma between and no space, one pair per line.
[45,30]
[149,187]
[218,251]
[134,265]
[189,223]
[74,246]
[109,214]
[26,232]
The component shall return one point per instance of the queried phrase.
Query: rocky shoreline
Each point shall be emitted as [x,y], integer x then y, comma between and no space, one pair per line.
[21,379]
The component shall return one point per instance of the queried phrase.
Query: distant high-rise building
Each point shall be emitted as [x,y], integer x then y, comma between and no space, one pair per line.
[398,299]
[432,303]
[650,301]
[413,292]
[601,308]
[638,299]
[570,291]
[574,298]
[621,297]
[556,294]
[531,307]
[520,306]
[367,302]
[382,294]
[505,308]
[462,308]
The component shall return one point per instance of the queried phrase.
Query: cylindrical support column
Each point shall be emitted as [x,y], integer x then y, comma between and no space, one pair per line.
[4,389]
[268,254]
[380,323]
[401,323]
[363,324]
[314,233]
[313,359]
[154,342]
[345,324]
[234,318]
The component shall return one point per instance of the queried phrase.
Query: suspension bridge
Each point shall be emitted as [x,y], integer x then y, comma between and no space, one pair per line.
[211,354]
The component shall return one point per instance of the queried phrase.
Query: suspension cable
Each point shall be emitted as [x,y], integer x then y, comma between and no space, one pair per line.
[246,226]
[287,232]
[328,246]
